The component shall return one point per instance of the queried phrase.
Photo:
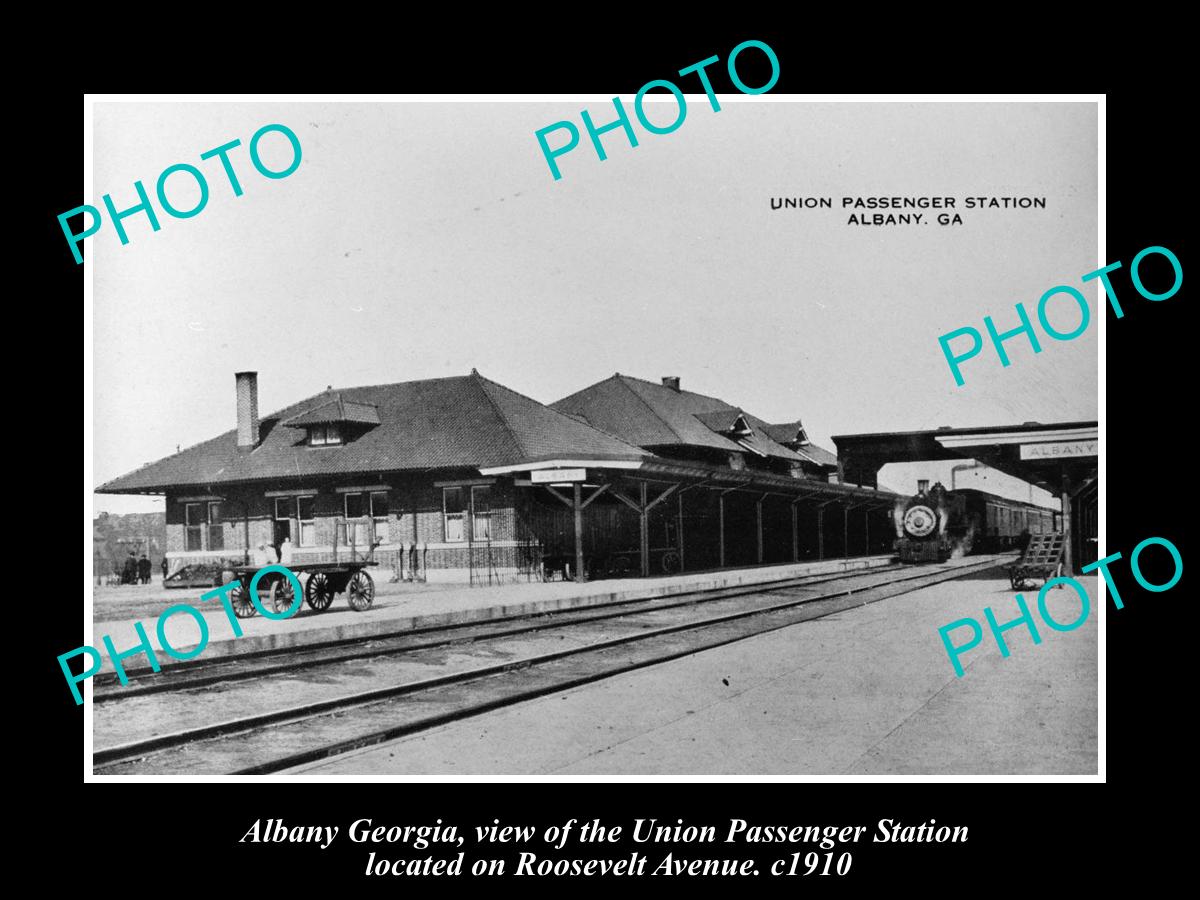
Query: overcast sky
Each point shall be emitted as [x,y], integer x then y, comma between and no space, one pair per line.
[418,240]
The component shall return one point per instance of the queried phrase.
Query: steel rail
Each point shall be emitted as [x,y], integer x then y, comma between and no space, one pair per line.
[113,757]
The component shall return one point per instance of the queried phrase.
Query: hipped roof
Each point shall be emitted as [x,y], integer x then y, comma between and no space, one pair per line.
[654,415]
[457,422]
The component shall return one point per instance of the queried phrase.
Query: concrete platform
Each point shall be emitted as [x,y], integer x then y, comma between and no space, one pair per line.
[406,607]
[867,691]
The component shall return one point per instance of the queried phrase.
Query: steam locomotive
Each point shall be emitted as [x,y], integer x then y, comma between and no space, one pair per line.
[936,524]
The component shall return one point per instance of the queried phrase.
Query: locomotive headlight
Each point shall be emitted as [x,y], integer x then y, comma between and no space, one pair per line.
[920,521]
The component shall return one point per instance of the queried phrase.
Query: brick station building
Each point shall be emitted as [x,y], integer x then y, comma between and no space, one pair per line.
[463,479]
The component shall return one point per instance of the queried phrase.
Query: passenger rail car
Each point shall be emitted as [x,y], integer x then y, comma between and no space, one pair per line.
[936,524]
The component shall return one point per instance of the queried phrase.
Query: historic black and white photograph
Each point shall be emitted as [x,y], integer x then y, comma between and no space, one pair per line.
[521,438]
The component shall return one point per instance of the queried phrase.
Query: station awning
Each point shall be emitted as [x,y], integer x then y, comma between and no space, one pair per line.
[702,474]
[1051,456]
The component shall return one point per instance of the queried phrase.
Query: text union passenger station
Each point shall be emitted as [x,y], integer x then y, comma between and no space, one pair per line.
[463,479]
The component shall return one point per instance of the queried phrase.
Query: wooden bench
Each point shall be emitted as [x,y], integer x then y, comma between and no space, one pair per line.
[1041,559]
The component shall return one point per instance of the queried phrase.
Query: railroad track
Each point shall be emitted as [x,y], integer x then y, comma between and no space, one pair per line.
[628,639]
[224,670]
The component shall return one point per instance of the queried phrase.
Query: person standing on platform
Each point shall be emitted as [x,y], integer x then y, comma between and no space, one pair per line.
[129,573]
[144,569]
[164,568]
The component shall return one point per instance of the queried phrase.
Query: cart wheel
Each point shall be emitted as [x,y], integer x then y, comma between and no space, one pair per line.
[283,595]
[239,599]
[671,563]
[360,591]
[318,593]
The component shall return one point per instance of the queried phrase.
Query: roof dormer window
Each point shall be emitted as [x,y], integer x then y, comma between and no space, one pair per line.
[335,421]
[324,435]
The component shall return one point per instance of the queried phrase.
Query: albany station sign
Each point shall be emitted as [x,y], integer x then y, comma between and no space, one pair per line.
[1059,449]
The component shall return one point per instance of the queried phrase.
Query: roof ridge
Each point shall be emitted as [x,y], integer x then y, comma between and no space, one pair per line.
[642,400]
[665,388]
[582,390]
[388,384]
[478,380]
[559,413]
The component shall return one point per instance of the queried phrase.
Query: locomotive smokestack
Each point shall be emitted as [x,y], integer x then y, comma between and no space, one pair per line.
[247,410]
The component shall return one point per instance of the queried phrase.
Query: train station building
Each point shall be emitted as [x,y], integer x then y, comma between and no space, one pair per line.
[462,479]
[1059,457]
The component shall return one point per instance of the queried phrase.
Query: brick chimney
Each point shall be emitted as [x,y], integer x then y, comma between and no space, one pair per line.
[247,410]
[671,381]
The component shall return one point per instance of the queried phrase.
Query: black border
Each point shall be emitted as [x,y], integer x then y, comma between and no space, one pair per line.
[1034,825]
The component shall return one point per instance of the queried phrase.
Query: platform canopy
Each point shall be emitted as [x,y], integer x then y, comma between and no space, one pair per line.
[1058,456]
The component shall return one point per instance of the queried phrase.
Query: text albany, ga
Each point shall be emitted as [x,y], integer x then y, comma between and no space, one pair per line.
[858,204]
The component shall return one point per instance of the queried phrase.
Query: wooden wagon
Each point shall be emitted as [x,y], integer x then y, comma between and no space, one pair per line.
[1042,559]
[275,590]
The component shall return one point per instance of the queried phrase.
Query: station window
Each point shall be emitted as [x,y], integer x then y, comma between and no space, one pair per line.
[357,531]
[193,526]
[367,517]
[202,526]
[324,435]
[282,526]
[467,513]
[379,515]
[216,530]
[481,512]
[308,525]
[454,513]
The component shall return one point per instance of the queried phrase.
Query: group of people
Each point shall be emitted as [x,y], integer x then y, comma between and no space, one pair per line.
[137,571]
